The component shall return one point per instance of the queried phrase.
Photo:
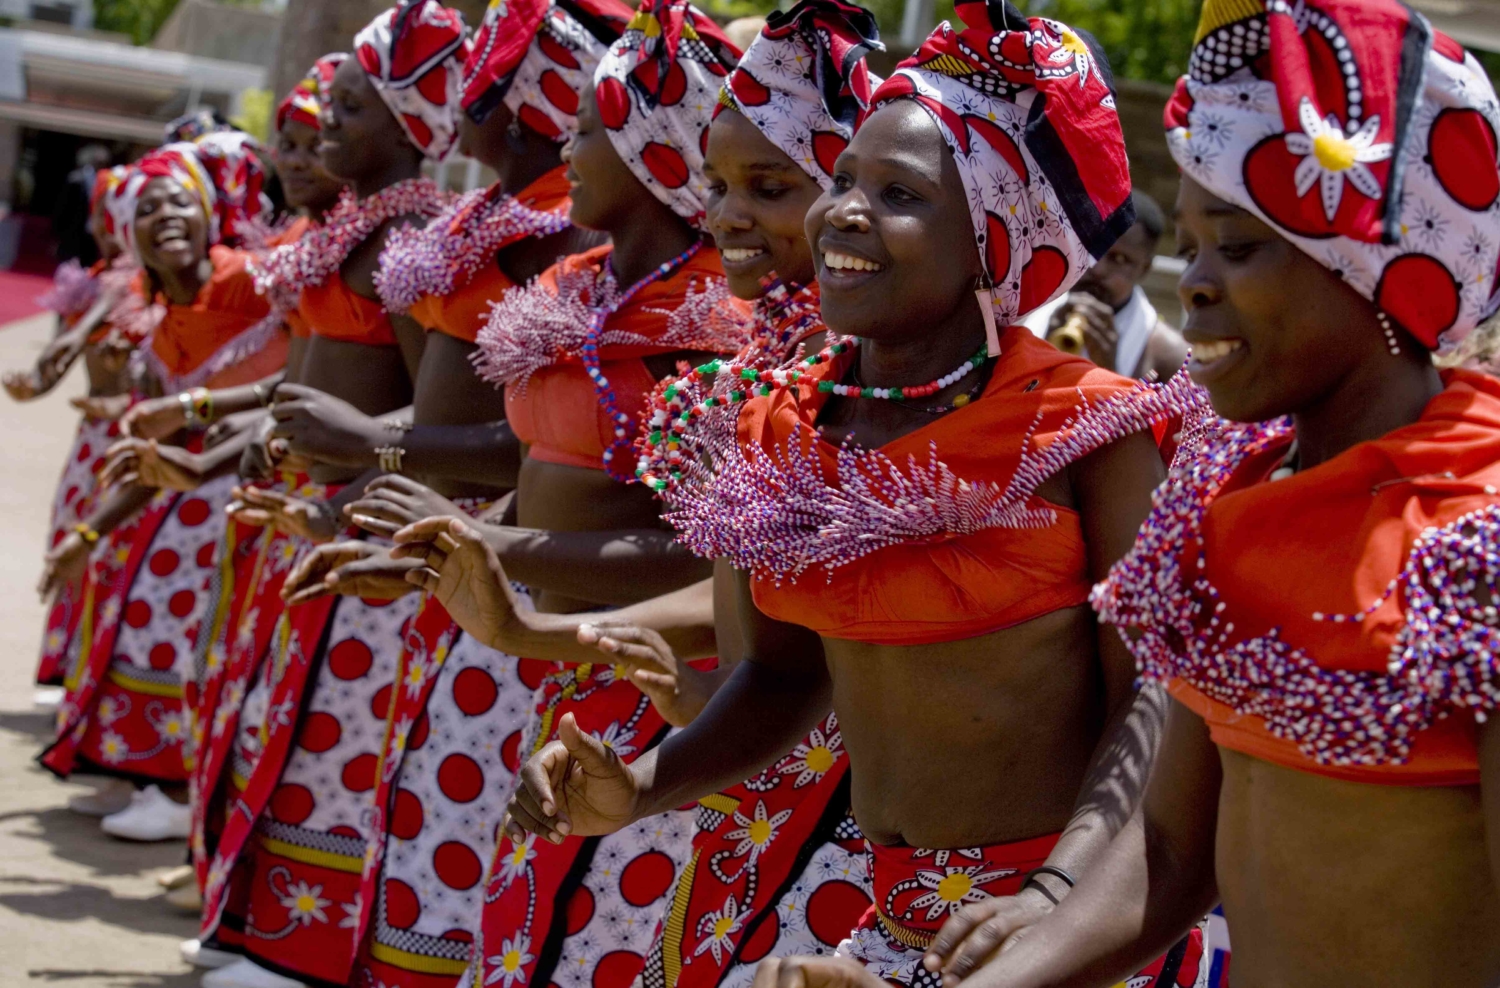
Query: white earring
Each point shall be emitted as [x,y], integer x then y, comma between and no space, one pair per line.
[1390,334]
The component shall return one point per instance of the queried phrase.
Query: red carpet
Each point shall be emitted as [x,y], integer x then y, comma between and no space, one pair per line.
[18,294]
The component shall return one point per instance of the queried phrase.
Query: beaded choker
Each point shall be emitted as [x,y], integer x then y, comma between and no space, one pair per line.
[286,271]
[447,252]
[535,327]
[672,414]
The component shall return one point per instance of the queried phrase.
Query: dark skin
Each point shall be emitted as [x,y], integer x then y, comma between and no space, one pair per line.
[757,199]
[104,361]
[171,234]
[1315,873]
[1047,706]
[1104,290]
[344,383]
[460,444]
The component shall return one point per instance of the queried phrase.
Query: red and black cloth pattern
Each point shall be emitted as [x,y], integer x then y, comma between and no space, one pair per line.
[537,57]
[305,102]
[803,82]
[1028,109]
[1364,136]
[414,55]
[778,868]
[581,914]
[656,90]
[918,889]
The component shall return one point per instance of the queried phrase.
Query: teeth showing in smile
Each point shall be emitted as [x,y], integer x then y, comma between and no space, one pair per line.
[843,262]
[740,253]
[1207,353]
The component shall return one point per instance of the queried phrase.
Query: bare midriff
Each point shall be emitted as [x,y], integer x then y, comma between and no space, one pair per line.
[449,392]
[561,498]
[1330,882]
[371,378]
[973,742]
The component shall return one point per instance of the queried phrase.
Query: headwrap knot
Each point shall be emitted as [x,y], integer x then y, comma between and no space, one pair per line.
[304,103]
[413,54]
[1027,107]
[1363,136]
[803,82]
[656,89]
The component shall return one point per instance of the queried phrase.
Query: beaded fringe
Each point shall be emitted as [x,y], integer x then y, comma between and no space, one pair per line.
[1446,656]
[775,515]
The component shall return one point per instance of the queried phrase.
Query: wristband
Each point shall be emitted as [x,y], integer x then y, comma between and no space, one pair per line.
[390,458]
[203,404]
[86,533]
[1046,869]
[189,413]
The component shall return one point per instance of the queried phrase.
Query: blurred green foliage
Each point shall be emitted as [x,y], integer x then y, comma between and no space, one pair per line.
[140,19]
[254,118]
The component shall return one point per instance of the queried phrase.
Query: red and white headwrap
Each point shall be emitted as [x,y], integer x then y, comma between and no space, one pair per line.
[1027,107]
[414,55]
[657,89]
[106,181]
[119,205]
[1364,136]
[803,82]
[537,56]
[305,102]
[221,170]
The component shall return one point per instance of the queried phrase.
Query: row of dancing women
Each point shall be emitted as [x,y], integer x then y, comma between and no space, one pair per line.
[675,564]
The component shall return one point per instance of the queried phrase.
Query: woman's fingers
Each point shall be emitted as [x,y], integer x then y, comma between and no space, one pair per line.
[424,530]
[376,526]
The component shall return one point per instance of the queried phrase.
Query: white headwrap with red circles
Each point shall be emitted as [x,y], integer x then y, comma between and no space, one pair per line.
[414,55]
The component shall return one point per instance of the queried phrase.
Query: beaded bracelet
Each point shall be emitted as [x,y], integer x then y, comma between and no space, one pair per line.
[390,458]
[86,533]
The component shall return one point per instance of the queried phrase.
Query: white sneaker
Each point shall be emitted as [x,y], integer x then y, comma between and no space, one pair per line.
[198,955]
[48,697]
[109,796]
[151,816]
[244,973]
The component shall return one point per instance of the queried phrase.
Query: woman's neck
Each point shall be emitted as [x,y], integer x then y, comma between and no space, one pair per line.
[1383,394]
[399,170]
[926,356]
[639,247]
[518,171]
[181,287]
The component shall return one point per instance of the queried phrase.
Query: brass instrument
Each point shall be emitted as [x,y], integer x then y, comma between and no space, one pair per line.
[1069,337]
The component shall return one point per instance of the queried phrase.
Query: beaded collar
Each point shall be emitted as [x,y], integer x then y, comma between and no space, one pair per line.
[782,319]
[286,271]
[464,238]
[73,290]
[1446,654]
[779,514]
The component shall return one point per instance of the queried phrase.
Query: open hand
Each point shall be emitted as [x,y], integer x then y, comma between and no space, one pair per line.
[814,972]
[22,385]
[575,785]
[462,572]
[679,691]
[324,428]
[149,464]
[980,930]
[391,502]
[63,565]
[348,569]
[154,418]
[311,520]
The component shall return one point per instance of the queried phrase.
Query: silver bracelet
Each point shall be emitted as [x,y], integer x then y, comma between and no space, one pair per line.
[395,425]
[390,458]
[189,413]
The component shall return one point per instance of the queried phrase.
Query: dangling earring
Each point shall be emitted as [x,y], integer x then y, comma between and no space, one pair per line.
[1391,342]
[987,313]
[513,136]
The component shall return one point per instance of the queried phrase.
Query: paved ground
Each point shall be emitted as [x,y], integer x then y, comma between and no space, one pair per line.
[77,908]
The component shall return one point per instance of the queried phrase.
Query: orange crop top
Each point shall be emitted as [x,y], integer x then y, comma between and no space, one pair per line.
[463,312]
[557,413]
[1345,645]
[206,342]
[333,311]
[945,586]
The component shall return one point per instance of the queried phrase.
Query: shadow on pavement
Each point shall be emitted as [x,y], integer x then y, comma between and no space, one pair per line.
[115,979]
[70,901]
[78,839]
[36,724]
